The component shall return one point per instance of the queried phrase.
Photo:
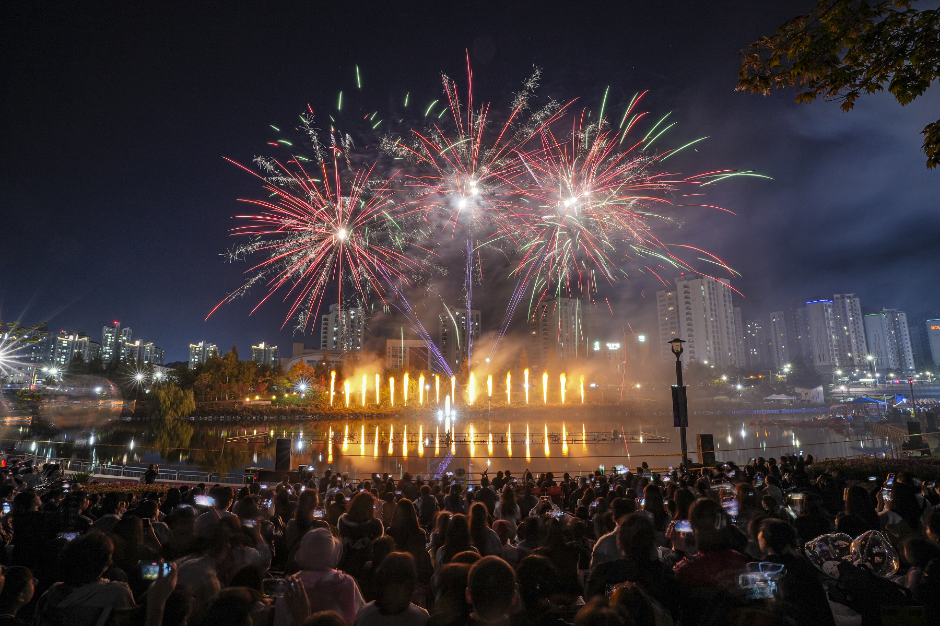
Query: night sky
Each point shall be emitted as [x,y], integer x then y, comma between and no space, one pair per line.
[117,203]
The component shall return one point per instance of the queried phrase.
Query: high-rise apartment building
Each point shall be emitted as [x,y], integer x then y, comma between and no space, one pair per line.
[920,336]
[142,352]
[933,339]
[699,311]
[849,327]
[263,354]
[795,323]
[756,345]
[113,340]
[556,330]
[889,340]
[201,352]
[342,329]
[452,336]
[779,343]
[68,346]
[899,339]
[740,332]
[823,342]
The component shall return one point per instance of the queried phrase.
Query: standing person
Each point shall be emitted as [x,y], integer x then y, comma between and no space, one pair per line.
[527,501]
[359,528]
[453,503]
[507,510]
[427,507]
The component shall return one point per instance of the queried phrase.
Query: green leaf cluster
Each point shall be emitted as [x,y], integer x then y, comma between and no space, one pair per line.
[845,48]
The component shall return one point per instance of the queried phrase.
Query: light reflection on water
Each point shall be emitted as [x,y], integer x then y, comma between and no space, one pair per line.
[209,446]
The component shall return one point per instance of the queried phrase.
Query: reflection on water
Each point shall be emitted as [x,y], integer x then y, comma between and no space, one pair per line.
[577,439]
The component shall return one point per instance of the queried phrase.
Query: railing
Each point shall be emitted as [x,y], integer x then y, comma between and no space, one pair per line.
[133,472]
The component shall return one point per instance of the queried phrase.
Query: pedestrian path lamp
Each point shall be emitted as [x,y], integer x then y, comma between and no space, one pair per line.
[680,411]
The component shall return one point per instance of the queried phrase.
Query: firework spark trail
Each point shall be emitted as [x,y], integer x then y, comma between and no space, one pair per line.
[314,235]
[467,177]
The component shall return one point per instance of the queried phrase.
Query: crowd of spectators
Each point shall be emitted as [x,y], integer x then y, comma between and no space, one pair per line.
[636,548]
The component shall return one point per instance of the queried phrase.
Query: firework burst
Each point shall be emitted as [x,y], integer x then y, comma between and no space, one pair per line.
[319,232]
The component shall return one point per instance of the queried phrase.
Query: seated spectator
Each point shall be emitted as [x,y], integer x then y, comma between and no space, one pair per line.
[509,552]
[715,562]
[358,528]
[17,591]
[410,538]
[799,588]
[84,598]
[328,589]
[456,540]
[606,548]
[638,564]
[482,536]
[491,592]
[450,606]
[395,581]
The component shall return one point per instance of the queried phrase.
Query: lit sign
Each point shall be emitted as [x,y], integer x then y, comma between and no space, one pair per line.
[597,345]
[613,346]
[935,328]
[641,338]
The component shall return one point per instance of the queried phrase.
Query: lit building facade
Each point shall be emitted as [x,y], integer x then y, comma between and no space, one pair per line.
[410,355]
[933,339]
[342,329]
[201,352]
[263,354]
[556,330]
[700,311]
[849,326]
[452,334]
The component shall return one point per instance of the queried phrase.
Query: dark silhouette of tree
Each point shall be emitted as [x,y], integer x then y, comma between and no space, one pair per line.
[842,49]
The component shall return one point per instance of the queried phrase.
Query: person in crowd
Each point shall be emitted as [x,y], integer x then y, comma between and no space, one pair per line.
[527,501]
[453,503]
[298,526]
[395,580]
[858,502]
[509,552]
[491,591]
[358,528]
[451,607]
[327,588]
[482,537]
[427,507]
[19,587]
[336,508]
[606,548]
[410,537]
[636,538]
[456,540]
[507,510]
[84,597]
[799,587]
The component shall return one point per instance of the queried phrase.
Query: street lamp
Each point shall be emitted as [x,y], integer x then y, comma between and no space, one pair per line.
[680,412]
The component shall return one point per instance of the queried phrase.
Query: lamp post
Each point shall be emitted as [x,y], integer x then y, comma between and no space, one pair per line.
[682,414]
[913,412]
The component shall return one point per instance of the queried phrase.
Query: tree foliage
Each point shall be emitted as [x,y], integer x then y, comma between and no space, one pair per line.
[845,48]
[170,402]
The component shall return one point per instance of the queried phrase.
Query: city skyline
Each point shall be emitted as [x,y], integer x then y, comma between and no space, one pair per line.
[848,210]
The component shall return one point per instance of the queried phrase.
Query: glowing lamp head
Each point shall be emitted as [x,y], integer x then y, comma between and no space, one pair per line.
[676,345]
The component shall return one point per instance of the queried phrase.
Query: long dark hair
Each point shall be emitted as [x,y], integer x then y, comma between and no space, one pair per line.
[508,500]
[457,539]
[306,503]
[404,527]
[478,514]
